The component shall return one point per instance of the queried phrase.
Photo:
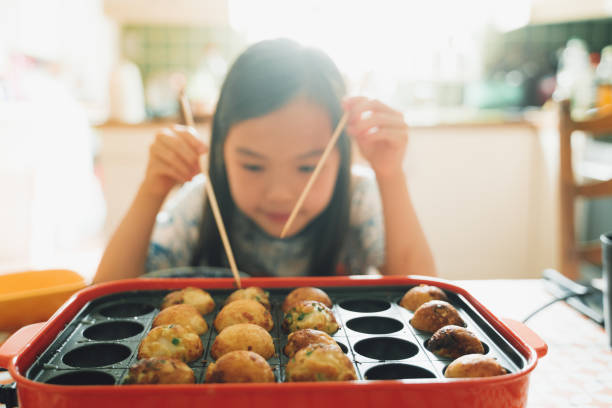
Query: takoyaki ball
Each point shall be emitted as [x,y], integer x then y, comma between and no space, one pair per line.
[243,336]
[432,315]
[454,341]
[160,371]
[243,311]
[239,367]
[310,314]
[252,293]
[307,293]
[418,295]
[474,365]
[185,315]
[319,362]
[196,297]
[171,341]
[305,337]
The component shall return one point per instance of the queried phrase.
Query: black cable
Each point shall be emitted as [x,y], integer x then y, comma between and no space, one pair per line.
[8,395]
[552,302]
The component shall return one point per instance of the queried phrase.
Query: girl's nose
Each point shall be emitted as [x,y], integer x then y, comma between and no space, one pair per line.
[280,190]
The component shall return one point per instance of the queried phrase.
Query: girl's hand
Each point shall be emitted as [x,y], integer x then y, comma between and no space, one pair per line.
[380,132]
[173,158]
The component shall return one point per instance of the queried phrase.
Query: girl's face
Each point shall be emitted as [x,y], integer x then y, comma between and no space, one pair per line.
[269,160]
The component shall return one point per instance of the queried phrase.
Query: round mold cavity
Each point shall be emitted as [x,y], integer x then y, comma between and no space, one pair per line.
[375,325]
[113,330]
[485,346]
[82,378]
[397,372]
[386,348]
[342,347]
[96,355]
[121,310]
[365,305]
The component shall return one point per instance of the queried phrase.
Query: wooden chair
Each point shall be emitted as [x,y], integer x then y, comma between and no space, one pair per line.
[572,252]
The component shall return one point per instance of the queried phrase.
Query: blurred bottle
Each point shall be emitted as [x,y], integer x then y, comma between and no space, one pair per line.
[126,93]
[576,78]
[603,80]
[205,83]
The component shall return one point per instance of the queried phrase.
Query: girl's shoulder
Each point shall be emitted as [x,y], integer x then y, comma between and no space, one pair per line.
[192,190]
[184,206]
[364,247]
[365,197]
[177,227]
[362,174]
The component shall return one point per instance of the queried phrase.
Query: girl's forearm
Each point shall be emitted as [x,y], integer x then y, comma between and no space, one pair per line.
[407,250]
[127,249]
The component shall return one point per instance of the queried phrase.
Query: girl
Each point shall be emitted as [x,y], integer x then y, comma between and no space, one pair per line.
[277,109]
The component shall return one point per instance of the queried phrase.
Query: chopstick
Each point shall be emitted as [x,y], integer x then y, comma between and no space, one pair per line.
[188,117]
[315,173]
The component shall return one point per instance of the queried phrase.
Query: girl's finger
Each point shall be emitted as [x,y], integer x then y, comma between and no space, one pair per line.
[179,146]
[190,136]
[392,136]
[350,102]
[163,169]
[352,106]
[370,105]
[170,158]
[377,119]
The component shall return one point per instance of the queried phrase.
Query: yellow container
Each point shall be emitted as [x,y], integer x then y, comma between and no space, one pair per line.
[33,296]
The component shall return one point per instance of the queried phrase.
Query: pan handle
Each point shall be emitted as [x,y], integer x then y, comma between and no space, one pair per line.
[17,342]
[529,336]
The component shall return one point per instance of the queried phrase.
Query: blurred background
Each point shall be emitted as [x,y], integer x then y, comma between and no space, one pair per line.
[84,85]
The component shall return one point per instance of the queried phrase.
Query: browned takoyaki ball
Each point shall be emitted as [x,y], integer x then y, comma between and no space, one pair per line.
[318,362]
[171,341]
[418,295]
[185,315]
[310,314]
[252,293]
[305,337]
[454,341]
[243,336]
[306,293]
[433,315]
[244,311]
[196,297]
[160,371]
[240,367]
[474,365]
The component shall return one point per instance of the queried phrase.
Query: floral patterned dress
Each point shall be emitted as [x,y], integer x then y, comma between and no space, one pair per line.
[176,234]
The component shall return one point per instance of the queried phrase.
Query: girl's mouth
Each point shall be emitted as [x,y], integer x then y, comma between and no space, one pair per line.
[279,218]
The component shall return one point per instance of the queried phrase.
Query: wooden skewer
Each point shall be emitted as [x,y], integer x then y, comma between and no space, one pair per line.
[317,170]
[315,173]
[212,198]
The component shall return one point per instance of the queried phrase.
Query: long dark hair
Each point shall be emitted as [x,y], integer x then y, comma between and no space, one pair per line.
[264,78]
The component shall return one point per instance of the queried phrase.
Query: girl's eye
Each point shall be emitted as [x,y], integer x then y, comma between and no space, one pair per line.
[252,167]
[306,169]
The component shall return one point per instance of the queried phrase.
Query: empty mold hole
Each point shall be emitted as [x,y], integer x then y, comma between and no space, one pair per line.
[342,347]
[365,305]
[82,378]
[386,348]
[375,325]
[113,330]
[96,355]
[126,310]
[397,372]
